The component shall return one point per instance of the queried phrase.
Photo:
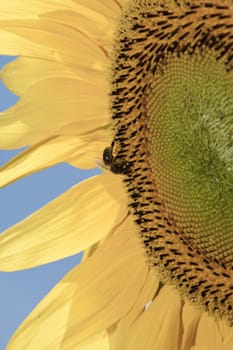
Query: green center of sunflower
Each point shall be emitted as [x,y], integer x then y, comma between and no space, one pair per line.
[190,143]
[172,109]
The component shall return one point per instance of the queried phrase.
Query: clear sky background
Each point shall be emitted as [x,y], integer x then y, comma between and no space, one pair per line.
[21,291]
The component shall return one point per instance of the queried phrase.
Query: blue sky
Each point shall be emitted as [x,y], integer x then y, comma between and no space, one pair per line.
[21,291]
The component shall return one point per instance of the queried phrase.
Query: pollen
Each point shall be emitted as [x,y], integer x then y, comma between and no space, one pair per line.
[172,111]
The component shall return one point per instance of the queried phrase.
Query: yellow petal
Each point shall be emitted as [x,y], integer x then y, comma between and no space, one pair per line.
[61,37]
[227,335]
[97,293]
[97,342]
[69,45]
[208,335]
[47,332]
[69,224]
[14,45]
[13,134]
[160,324]
[191,318]
[92,149]
[80,152]
[23,72]
[94,24]
[30,8]
[53,103]
[119,333]
[227,343]
[110,9]
[123,3]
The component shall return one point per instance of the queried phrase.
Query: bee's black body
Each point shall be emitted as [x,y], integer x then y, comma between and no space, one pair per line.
[117,166]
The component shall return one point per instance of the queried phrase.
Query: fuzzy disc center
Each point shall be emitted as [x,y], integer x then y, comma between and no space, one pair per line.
[190,146]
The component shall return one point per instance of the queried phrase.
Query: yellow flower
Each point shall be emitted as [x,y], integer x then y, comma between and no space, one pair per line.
[113,299]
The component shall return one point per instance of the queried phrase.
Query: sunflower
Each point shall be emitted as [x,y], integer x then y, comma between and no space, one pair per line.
[159,92]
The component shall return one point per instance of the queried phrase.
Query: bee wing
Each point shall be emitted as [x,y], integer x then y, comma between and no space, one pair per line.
[100,163]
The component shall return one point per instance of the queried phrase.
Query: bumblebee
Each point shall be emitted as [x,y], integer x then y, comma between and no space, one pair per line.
[117,166]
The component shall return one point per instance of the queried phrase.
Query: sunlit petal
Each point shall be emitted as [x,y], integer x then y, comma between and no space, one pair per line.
[30,8]
[23,72]
[61,39]
[97,342]
[94,24]
[160,324]
[191,318]
[214,339]
[66,101]
[119,333]
[99,294]
[12,44]
[66,226]
[109,10]
[78,151]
